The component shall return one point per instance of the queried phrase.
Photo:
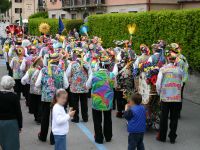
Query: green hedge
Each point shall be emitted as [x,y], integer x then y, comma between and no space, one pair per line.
[33,26]
[181,26]
[39,15]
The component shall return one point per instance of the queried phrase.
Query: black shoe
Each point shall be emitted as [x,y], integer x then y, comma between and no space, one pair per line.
[75,120]
[85,120]
[108,140]
[52,142]
[99,142]
[159,139]
[172,141]
[40,139]
[119,115]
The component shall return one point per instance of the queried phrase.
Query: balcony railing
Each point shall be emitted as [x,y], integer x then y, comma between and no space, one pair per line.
[82,3]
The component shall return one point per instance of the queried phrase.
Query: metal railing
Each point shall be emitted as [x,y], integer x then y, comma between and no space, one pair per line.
[82,3]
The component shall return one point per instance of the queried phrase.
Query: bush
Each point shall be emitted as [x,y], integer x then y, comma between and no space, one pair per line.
[69,25]
[39,15]
[180,26]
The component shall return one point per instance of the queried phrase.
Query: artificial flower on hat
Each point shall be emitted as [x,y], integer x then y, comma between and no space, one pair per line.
[174,47]
[144,49]
[53,58]
[20,50]
[37,61]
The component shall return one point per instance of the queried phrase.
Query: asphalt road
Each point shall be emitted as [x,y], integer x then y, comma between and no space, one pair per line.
[80,136]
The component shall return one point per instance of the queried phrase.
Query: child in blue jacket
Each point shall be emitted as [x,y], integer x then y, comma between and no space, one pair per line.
[136,116]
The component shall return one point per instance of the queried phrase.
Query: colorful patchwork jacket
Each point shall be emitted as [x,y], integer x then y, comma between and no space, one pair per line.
[79,76]
[183,64]
[102,90]
[51,83]
[125,79]
[169,83]
[15,65]
[33,75]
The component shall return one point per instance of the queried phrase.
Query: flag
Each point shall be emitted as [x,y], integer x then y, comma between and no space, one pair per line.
[61,26]
[20,20]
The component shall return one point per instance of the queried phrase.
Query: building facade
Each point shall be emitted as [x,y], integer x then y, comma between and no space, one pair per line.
[82,8]
[23,7]
[54,8]
[185,4]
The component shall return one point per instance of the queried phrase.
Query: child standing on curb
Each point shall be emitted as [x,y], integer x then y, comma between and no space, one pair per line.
[60,120]
[136,117]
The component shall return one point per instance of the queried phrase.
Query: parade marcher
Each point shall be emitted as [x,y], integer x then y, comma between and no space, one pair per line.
[10,116]
[76,34]
[25,42]
[125,80]
[139,61]
[6,48]
[50,78]
[157,59]
[135,114]
[181,62]
[78,71]
[102,83]
[168,86]
[111,67]
[35,93]
[25,65]
[118,47]
[17,73]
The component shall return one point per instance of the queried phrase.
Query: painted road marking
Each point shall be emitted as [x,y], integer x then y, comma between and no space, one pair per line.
[90,136]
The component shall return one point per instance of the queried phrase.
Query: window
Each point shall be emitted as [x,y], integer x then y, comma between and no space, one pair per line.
[53,15]
[18,1]
[18,10]
[53,0]
[99,13]
[132,11]
[73,16]
[63,16]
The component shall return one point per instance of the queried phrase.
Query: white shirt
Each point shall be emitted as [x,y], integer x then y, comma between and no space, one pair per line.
[60,120]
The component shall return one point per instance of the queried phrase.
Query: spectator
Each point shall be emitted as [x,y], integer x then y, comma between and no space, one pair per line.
[136,116]
[10,116]
[60,122]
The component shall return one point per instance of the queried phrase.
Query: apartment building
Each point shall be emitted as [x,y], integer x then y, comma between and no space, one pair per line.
[54,8]
[184,4]
[83,8]
[23,7]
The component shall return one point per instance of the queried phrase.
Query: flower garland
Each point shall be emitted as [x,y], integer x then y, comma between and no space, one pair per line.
[151,72]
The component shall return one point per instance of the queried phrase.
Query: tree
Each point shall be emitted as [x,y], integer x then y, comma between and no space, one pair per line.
[5,5]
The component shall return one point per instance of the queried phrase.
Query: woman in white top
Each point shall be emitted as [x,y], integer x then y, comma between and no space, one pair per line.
[60,119]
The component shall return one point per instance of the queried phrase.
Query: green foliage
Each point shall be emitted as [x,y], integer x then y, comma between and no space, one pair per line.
[69,25]
[181,26]
[5,5]
[39,15]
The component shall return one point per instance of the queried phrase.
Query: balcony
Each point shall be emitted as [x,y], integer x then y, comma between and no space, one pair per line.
[82,4]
